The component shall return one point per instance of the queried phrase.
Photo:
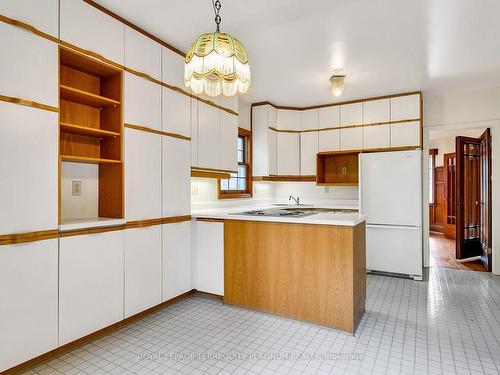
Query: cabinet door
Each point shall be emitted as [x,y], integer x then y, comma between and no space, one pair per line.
[288,153]
[142,54]
[87,27]
[260,130]
[143,252]
[142,175]
[41,14]
[377,136]
[142,102]
[405,134]
[329,140]
[208,136]
[209,258]
[310,119]
[229,102]
[272,143]
[173,68]
[29,68]
[351,114]
[351,139]
[308,151]
[176,112]
[194,132]
[176,259]
[90,283]
[329,117]
[176,164]
[405,108]
[229,141]
[29,157]
[28,291]
[289,119]
[376,111]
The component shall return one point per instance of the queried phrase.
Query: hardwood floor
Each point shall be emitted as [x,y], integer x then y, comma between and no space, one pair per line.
[443,254]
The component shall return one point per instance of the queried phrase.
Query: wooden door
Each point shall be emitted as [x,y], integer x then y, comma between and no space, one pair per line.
[485,206]
[438,219]
[468,197]
[450,161]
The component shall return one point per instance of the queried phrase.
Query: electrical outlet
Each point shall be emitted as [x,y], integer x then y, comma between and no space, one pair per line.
[76,188]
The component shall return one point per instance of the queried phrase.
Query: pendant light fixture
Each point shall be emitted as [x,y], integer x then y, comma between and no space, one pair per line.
[337,81]
[217,63]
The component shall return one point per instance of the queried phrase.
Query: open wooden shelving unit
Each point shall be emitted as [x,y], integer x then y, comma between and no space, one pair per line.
[338,168]
[91,125]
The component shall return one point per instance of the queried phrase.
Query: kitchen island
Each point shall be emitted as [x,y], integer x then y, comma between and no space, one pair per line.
[310,268]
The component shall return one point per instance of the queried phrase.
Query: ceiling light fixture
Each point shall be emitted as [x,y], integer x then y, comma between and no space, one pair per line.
[217,63]
[337,81]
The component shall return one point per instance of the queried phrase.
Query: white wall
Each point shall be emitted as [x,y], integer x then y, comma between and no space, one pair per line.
[465,110]
[308,192]
[83,206]
[444,141]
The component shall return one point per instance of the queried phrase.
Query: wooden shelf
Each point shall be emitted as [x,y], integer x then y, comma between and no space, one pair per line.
[85,130]
[84,159]
[337,168]
[87,98]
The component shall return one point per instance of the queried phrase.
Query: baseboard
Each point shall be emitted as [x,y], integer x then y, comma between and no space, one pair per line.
[208,295]
[94,336]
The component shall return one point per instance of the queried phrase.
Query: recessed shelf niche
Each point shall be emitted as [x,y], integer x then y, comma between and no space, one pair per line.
[90,128]
[337,168]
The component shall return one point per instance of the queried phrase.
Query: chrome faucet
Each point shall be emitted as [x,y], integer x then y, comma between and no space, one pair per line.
[297,200]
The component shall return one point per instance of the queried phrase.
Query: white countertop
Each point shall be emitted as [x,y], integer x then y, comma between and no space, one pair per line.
[98,222]
[322,218]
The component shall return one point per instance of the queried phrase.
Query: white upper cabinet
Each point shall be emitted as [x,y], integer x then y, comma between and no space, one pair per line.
[142,175]
[288,153]
[194,132]
[272,117]
[329,117]
[309,149]
[87,27]
[406,134]
[310,119]
[28,291]
[208,136]
[405,107]
[263,140]
[142,53]
[90,275]
[41,14]
[229,102]
[229,141]
[351,139]
[142,102]
[351,114]
[289,119]
[176,112]
[329,140]
[28,155]
[378,136]
[143,254]
[177,270]
[173,68]
[272,156]
[29,68]
[375,111]
[176,164]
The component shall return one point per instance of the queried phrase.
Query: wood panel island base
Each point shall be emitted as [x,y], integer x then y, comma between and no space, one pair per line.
[309,272]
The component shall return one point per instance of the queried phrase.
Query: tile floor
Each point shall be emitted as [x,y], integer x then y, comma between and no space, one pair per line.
[449,324]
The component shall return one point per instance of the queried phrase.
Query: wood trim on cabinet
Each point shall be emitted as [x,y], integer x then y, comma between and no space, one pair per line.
[155,131]
[94,336]
[17,238]
[209,220]
[212,169]
[210,174]
[176,219]
[91,53]
[284,178]
[28,103]
[81,232]
[29,28]
[143,223]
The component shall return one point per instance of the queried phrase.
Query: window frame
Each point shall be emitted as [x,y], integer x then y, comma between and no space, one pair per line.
[248,192]
[432,177]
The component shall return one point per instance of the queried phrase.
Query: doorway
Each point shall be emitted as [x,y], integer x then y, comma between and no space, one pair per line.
[460,199]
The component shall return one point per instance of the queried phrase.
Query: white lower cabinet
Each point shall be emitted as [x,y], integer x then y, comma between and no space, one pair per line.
[28,295]
[329,140]
[405,134]
[143,254]
[351,139]
[176,177]
[209,257]
[378,136]
[288,154]
[176,259]
[90,283]
[308,151]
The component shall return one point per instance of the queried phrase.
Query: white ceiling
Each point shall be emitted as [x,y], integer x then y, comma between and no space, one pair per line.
[384,46]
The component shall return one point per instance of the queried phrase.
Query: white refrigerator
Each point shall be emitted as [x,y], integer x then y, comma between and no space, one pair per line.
[390,192]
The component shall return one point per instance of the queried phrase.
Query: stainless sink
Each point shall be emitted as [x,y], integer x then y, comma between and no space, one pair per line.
[280,212]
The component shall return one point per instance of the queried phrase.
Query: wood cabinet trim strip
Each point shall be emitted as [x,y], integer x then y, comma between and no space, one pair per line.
[80,232]
[143,223]
[208,174]
[91,53]
[95,335]
[155,131]
[29,28]
[18,238]
[176,219]
[212,169]
[28,103]
[209,220]
[285,178]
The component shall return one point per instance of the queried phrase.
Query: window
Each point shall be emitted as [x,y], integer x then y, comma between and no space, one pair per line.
[240,184]
[432,174]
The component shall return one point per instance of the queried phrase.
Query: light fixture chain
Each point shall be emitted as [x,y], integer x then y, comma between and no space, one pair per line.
[217,5]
